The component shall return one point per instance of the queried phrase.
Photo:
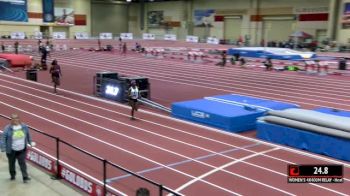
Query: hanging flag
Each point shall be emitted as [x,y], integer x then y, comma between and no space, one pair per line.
[48,11]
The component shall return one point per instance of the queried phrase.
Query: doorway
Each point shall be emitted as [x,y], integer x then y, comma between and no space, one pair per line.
[45,31]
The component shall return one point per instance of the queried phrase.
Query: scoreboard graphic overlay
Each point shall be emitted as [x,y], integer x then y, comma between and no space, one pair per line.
[315,174]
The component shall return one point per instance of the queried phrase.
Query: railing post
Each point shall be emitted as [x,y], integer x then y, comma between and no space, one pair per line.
[105,176]
[57,175]
[160,190]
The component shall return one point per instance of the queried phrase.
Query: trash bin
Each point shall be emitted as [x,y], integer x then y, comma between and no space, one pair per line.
[32,74]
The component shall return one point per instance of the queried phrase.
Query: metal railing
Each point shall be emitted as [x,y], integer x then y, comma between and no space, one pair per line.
[58,154]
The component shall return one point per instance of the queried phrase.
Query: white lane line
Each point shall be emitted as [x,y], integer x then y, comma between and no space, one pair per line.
[123,61]
[179,66]
[255,84]
[221,77]
[254,165]
[227,165]
[157,134]
[141,67]
[296,151]
[237,85]
[137,140]
[236,89]
[117,147]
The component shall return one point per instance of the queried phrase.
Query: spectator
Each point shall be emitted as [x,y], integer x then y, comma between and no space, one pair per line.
[44,52]
[124,49]
[39,45]
[342,64]
[16,47]
[138,47]
[15,138]
[237,55]
[48,50]
[268,64]
[224,58]
[2,47]
[99,44]
[233,62]
[243,61]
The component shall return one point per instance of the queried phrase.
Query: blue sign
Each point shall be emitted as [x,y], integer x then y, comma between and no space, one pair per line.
[347,8]
[48,11]
[204,18]
[13,10]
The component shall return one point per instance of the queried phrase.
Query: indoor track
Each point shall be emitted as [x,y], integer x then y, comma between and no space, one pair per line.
[188,158]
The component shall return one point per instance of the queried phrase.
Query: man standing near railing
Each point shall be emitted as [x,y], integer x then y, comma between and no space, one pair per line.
[16,47]
[14,142]
[2,47]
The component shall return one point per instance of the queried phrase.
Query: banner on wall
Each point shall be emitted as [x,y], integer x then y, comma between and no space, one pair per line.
[346,16]
[170,37]
[13,10]
[213,40]
[148,36]
[18,35]
[59,35]
[48,11]
[155,18]
[191,38]
[106,36]
[126,35]
[64,16]
[204,18]
[81,35]
[38,35]
[311,10]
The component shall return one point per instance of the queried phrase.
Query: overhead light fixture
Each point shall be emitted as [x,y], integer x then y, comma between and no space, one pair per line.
[128,0]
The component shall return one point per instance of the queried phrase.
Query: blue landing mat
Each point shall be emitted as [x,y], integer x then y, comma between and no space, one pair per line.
[234,113]
[332,146]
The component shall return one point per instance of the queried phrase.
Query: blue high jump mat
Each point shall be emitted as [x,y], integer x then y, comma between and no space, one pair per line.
[332,146]
[233,113]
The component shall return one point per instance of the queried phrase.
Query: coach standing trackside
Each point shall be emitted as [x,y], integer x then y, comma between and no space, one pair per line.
[14,142]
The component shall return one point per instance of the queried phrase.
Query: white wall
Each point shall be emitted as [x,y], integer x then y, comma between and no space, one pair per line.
[343,35]
[109,17]
[179,10]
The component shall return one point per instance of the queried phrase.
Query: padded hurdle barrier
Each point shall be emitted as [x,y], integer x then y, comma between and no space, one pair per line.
[329,140]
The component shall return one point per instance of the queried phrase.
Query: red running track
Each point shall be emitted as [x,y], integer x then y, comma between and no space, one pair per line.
[248,167]
[185,157]
[183,81]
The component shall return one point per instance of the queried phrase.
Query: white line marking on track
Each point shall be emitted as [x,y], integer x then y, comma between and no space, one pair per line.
[227,165]
[176,140]
[143,142]
[307,154]
[228,72]
[204,68]
[190,80]
[117,147]
[283,174]
[205,85]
